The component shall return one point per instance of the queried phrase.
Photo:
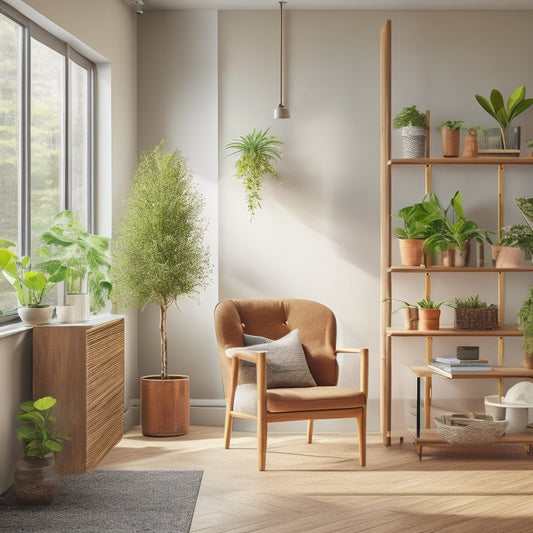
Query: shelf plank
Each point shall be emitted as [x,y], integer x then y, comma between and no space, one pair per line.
[482,160]
[433,437]
[477,270]
[497,372]
[506,331]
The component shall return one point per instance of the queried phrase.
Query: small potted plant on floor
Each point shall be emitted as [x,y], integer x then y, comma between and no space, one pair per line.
[450,131]
[256,152]
[35,480]
[413,126]
[31,284]
[525,325]
[158,256]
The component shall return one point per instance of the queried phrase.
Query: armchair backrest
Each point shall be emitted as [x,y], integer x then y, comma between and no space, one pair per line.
[274,319]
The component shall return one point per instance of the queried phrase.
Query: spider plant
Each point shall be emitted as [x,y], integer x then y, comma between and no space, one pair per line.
[257,150]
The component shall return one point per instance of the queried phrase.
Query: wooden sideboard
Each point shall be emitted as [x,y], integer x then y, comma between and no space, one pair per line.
[82,366]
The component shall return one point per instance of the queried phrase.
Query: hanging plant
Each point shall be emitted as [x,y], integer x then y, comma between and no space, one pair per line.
[257,150]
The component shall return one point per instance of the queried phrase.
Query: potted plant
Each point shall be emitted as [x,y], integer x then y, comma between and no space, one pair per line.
[418,220]
[474,314]
[514,240]
[471,142]
[84,262]
[429,314]
[453,234]
[257,151]
[450,131]
[35,480]
[413,125]
[31,284]
[503,114]
[410,313]
[158,256]
[525,325]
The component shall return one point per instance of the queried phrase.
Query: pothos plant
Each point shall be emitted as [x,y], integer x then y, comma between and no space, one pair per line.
[257,150]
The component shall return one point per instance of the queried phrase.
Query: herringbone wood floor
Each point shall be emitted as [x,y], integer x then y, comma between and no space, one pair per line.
[321,487]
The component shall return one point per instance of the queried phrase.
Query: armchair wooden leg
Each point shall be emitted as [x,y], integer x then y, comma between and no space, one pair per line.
[361,426]
[310,431]
[228,426]
[261,442]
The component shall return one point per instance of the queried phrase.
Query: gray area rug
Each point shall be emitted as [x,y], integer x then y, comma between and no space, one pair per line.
[111,501]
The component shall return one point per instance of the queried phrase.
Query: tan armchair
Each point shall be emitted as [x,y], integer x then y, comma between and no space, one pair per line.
[275,398]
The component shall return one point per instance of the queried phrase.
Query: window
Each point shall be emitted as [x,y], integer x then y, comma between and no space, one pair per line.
[46,125]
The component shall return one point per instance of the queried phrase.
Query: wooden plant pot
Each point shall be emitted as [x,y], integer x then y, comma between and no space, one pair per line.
[411,251]
[528,360]
[410,315]
[165,405]
[429,319]
[450,141]
[470,145]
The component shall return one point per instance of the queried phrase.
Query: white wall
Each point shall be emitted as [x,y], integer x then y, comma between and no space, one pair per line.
[318,233]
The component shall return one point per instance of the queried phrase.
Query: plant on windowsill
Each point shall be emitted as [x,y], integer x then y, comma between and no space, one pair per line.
[158,256]
[35,480]
[83,259]
[256,152]
[31,284]
[525,325]
[474,314]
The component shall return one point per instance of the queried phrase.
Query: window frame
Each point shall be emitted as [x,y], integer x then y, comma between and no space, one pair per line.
[29,30]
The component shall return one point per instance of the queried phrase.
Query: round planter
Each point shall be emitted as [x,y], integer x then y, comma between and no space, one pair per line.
[165,405]
[450,142]
[35,480]
[80,306]
[411,251]
[429,319]
[413,142]
[36,316]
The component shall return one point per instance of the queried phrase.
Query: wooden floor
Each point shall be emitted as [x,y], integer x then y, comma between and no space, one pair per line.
[321,487]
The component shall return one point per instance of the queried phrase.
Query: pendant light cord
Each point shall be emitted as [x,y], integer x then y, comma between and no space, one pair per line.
[281,53]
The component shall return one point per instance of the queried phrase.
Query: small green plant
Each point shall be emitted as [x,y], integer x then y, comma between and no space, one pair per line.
[430,304]
[525,322]
[257,150]
[452,124]
[32,285]
[419,219]
[35,434]
[472,302]
[410,116]
[403,302]
[479,130]
[503,114]
[518,236]
[80,257]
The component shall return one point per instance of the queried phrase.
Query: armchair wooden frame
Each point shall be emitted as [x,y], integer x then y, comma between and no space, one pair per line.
[264,417]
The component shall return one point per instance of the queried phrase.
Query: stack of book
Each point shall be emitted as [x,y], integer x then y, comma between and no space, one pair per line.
[453,365]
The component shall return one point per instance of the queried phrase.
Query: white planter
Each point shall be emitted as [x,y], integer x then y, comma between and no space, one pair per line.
[80,307]
[36,316]
[413,142]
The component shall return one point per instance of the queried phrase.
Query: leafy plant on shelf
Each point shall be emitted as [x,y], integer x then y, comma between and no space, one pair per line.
[518,236]
[452,124]
[410,116]
[472,302]
[525,322]
[419,220]
[257,151]
[35,433]
[503,114]
[430,304]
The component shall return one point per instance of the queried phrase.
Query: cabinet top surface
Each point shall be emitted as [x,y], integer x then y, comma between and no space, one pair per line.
[93,321]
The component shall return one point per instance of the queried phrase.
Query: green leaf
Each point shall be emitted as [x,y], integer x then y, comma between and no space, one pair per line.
[486,105]
[496,100]
[47,402]
[521,107]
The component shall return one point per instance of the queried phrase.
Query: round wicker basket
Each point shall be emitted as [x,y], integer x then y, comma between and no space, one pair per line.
[470,430]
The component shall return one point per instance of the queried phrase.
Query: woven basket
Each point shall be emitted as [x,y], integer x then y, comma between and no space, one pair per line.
[482,318]
[470,430]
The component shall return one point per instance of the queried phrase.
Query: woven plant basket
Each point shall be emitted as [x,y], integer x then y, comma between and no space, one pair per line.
[470,430]
[479,319]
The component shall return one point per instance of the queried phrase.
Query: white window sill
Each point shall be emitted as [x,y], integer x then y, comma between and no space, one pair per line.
[13,329]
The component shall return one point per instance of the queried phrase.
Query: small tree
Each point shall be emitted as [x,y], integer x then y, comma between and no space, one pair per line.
[158,250]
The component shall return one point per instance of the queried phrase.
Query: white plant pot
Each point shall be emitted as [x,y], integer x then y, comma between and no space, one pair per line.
[36,316]
[80,306]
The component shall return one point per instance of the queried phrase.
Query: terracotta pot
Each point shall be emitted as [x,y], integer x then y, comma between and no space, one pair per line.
[35,480]
[448,258]
[470,145]
[528,360]
[450,141]
[411,252]
[429,319]
[165,405]
[410,315]
[508,257]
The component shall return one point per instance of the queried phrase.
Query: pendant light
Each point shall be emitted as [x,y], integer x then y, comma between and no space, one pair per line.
[281,111]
